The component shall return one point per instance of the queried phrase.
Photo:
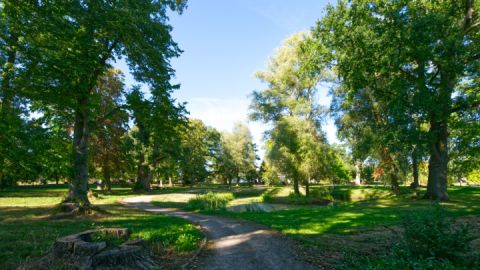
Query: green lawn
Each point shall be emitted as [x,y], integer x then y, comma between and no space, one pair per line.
[359,215]
[359,208]
[363,221]
[27,231]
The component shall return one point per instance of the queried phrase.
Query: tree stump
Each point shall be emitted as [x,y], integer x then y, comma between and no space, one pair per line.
[79,251]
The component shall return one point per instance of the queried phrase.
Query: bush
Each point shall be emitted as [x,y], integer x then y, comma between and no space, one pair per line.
[430,240]
[210,201]
[266,197]
[397,262]
[322,193]
[434,235]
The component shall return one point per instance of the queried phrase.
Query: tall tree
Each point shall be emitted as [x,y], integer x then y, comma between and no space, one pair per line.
[16,130]
[412,56]
[242,152]
[199,145]
[158,123]
[289,103]
[107,155]
[76,43]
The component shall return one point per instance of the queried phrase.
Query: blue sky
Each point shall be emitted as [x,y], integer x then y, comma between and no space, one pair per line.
[224,43]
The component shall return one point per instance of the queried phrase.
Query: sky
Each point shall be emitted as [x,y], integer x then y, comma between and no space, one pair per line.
[224,43]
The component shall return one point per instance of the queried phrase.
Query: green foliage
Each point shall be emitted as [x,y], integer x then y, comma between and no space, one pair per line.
[155,142]
[269,174]
[296,144]
[237,156]
[54,58]
[398,261]
[434,235]
[431,240]
[199,143]
[267,198]
[394,104]
[210,201]
[111,240]
[186,242]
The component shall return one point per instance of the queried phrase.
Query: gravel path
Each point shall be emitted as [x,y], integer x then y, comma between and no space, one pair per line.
[234,244]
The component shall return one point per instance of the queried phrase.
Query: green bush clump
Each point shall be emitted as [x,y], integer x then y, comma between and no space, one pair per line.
[398,262]
[267,198]
[322,193]
[210,201]
[434,235]
[299,199]
[430,240]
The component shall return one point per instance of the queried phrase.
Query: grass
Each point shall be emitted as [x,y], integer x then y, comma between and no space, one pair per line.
[359,208]
[363,221]
[358,215]
[357,222]
[111,240]
[27,231]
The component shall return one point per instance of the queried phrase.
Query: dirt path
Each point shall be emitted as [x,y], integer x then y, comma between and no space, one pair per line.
[234,244]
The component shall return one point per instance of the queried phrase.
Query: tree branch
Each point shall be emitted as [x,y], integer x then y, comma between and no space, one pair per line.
[104,117]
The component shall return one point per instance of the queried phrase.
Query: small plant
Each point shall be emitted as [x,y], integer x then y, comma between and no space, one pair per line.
[110,239]
[210,201]
[186,242]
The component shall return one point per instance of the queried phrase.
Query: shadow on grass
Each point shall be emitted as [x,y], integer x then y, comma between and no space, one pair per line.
[29,232]
[357,216]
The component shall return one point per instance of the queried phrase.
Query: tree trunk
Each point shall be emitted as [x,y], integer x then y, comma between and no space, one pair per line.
[107,185]
[79,185]
[7,95]
[438,163]
[394,181]
[307,187]
[358,171]
[296,188]
[161,182]
[415,183]
[144,176]
[170,183]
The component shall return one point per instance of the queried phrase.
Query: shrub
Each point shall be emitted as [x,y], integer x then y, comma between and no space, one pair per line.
[397,262]
[266,197]
[210,201]
[299,199]
[430,240]
[435,235]
[322,193]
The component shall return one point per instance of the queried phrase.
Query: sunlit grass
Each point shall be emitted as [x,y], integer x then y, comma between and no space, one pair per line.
[360,215]
[27,231]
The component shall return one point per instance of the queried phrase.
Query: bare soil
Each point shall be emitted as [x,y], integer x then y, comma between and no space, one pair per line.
[235,244]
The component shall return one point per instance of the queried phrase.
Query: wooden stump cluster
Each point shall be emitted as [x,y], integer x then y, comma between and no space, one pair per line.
[78,251]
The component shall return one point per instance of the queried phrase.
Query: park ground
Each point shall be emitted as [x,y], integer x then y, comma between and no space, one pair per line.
[355,222]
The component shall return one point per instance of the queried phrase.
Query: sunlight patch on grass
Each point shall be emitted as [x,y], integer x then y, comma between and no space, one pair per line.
[27,231]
